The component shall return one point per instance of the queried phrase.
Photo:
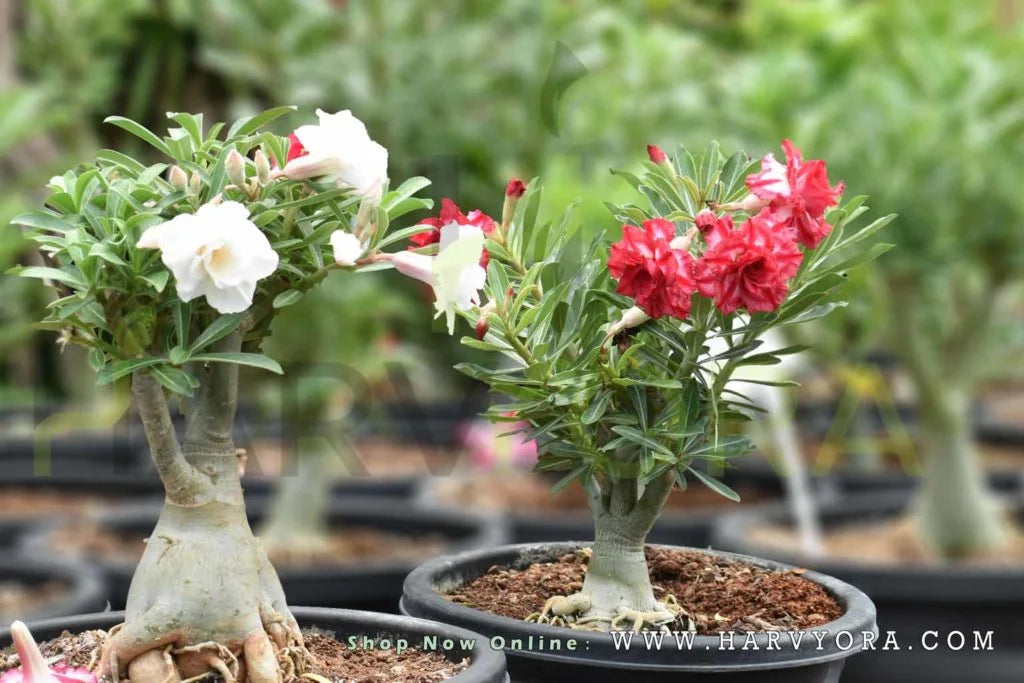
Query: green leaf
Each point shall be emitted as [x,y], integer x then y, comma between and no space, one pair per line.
[42,221]
[250,124]
[158,279]
[287,298]
[256,360]
[179,355]
[596,408]
[123,368]
[178,381]
[50,274]
[106,251]
[715,485]
[218,329]
[638,437]
[139,131]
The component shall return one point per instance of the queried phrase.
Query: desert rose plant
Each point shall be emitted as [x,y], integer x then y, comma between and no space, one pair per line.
[612,365]
[171,274]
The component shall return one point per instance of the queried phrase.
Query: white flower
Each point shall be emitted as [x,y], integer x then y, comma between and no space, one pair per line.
[340,146]
[216,252]
[347,248]
[455,273]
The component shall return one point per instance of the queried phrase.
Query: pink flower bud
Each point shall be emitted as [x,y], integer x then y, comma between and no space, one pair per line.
[515,188]
[33,667]
[234,166]
[178,178]
[656,154]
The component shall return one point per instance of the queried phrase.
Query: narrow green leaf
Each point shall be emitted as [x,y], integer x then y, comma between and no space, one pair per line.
[139,131]
[715,485]
[218,329]
[256,360]
[287,298]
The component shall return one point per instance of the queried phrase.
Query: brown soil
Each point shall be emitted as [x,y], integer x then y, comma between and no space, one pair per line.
[994,456]
[16,502]
[525,491]
[345,546]
[379,458]
[892,542]
[718,594]
[18,599]
[331,659]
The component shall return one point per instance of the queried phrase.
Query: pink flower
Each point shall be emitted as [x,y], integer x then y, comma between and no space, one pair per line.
[797,193]
[658,277]
[488,450]
[295,149]
[451,215]
[33,667]
[656,154]
[749,268]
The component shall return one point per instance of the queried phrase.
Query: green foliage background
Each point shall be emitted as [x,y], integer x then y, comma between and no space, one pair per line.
[916,104]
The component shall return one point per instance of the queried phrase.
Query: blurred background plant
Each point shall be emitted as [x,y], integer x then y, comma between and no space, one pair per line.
[916,104]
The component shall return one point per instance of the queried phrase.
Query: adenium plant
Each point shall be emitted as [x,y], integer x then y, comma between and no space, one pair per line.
[171,274]
[612,368]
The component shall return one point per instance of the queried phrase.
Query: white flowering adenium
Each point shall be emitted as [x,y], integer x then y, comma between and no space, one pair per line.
[339,146]
[217,253]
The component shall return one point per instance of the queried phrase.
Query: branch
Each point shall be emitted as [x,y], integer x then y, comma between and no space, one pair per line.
[211,417]
[180,479]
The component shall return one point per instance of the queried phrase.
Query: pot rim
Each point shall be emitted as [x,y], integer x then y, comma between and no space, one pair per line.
[485,664]
[421,597]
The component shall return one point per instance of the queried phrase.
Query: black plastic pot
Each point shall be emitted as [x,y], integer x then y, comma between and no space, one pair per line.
[85,591]
[485,665]
[375,585]
[107,489]
[913,600]
[687,526]
[597,660]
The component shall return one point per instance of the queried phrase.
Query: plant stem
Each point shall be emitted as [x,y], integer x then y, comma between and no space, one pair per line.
[180,479]
[617,576]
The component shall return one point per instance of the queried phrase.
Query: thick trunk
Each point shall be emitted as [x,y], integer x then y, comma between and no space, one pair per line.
[617,577]
[956,513]
[204,586]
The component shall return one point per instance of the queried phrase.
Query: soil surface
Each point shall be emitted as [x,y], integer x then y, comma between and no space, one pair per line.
[17,503]
[345,546]
[375,457]
[332,659]
[718,594]
[994,456]
[526,491]
[892,542]
[18,599]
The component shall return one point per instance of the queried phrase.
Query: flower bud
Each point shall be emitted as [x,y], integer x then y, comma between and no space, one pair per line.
[482,322]
[262,166]
[178,178]
[234,166]
[631,318]
[656,154]
[513,193]
[195,183]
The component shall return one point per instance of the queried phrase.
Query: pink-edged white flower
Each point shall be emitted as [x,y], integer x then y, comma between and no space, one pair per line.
[455,273]
[347,248]
[216,252]
[33,667]
[338,146]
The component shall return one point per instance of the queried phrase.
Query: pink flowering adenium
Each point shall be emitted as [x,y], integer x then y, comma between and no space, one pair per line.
[33,667]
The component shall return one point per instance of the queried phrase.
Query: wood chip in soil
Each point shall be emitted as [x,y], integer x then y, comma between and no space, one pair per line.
[345,546]
[718,594]
[331,659]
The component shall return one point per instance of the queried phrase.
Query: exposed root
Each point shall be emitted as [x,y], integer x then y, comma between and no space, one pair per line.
[567,611]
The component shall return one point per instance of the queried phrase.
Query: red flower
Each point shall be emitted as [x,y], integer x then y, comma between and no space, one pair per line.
[749,268]
[658,277]
[295,149]
[798,193]
[450,213]
[713,227]
[515,188]
[656,154]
